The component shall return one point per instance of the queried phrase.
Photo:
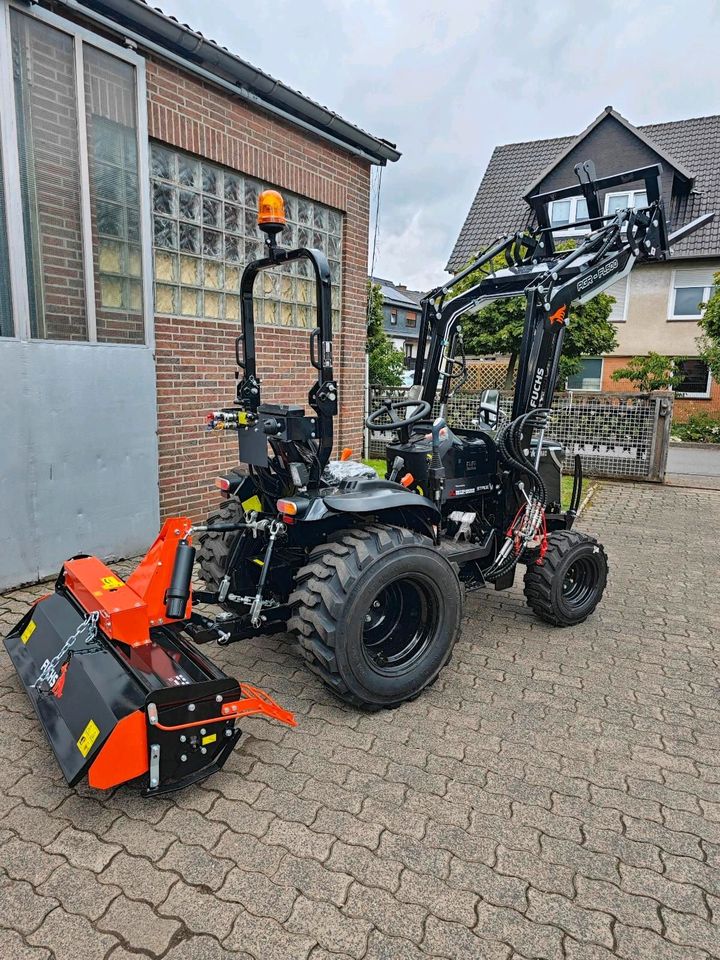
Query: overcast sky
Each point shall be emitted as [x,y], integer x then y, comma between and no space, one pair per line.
[449,81]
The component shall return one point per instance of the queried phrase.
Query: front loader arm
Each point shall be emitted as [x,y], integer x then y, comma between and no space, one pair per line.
[551,281]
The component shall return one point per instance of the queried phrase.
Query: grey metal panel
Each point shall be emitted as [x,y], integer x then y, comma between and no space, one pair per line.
[78,454]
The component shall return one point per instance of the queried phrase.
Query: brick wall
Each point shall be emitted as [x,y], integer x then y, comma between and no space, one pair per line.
[195,359]
[682,408]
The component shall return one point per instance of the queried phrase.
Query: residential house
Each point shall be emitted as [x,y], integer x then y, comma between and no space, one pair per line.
[401,312]
[133,150]
[658,305]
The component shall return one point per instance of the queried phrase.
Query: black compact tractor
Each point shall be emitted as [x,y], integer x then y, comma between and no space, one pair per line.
[369,573]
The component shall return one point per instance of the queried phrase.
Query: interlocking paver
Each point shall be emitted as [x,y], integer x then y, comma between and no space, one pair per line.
[386,913]
[23,860]
[556,794]
[200,912]
[22,908]
[139,926]
[196,865]
[455,942]
[79,891]
[332,929]
[70,936]
[12,945]
[138,878]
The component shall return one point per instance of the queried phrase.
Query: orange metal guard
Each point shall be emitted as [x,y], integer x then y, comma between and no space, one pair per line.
[253,701]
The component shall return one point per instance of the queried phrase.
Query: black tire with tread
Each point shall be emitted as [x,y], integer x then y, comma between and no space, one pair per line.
[213,548]
[544,581]
[328,600]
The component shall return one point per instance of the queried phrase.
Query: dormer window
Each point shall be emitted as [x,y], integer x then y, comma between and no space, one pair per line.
[565,213]
[629,200]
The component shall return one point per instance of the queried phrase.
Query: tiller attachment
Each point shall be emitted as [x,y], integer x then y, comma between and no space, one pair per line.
[119,690]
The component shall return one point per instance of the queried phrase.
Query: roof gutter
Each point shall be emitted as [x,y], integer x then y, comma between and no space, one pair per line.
[311,117]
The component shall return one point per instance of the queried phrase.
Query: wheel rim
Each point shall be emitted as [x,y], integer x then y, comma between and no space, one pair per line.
[399,625]
[580,582]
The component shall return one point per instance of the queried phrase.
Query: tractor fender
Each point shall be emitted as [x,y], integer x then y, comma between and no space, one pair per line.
[372,496]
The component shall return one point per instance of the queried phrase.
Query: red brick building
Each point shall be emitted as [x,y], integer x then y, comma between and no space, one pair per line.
[131,166]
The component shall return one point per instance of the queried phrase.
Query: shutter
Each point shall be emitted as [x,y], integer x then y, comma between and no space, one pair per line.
[619,290]
[696,276]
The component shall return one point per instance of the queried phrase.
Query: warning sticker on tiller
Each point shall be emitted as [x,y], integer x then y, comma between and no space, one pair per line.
[88,737]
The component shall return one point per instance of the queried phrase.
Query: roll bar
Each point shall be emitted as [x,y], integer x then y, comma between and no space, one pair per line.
[322,396]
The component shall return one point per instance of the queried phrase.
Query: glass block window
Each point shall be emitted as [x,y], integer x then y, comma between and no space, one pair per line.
[205,231]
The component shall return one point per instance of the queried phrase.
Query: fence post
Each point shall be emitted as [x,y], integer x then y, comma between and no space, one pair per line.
[661,436]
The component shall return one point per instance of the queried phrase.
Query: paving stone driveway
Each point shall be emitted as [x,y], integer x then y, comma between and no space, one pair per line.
[556,794]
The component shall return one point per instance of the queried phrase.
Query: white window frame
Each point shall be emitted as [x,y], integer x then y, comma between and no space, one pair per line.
[602,375]
[11,176]
[623,193]
[693,318]
[697,396]
[568,229]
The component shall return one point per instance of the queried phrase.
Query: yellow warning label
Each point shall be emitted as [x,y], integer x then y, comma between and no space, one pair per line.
[252,504]
[88,737]
[28,632]
[210,738]
[111,583]
[242,418]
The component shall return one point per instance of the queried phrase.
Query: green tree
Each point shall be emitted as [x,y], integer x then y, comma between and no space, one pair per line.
[498,328]
[385,362]
[653,372]
[709,342]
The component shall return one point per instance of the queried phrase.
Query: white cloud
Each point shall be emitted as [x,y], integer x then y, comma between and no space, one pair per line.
[448,82]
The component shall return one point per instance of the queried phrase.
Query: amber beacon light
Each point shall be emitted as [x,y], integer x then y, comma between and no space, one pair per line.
[271,211]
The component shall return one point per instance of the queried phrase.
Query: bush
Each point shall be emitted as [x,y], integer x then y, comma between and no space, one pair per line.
[698,428]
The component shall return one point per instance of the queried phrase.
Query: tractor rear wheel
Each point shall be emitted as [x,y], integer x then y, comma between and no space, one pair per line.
[213,548]
[376,613]
[566,586]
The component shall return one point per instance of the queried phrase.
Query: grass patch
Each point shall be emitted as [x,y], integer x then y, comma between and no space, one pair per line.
[379,466]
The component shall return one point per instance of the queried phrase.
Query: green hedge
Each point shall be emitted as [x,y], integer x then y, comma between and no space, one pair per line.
[698,428]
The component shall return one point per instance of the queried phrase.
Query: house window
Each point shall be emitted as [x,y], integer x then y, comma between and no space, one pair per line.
[205,230]
[411,320]
[393,316]
[691,287]
[410,350]
[695,378]
[589,377]
[564,213]
[78,147]
[630,199]
[620,290]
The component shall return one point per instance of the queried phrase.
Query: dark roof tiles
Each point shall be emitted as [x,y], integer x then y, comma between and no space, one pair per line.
[499,207]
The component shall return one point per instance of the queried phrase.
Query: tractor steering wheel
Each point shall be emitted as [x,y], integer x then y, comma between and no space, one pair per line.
[388,409]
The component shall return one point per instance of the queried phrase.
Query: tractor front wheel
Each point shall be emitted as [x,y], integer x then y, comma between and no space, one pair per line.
[568,583]
[377,613]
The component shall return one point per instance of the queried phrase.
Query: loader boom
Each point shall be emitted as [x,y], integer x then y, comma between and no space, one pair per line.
[551,282]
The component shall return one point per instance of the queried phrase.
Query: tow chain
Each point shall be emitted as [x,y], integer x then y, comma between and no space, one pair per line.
[49,673]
